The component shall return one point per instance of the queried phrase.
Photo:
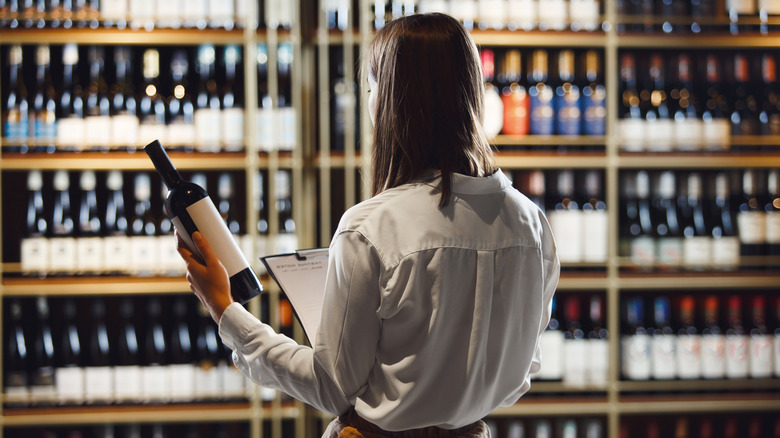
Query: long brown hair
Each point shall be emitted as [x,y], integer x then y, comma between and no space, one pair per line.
[430,104]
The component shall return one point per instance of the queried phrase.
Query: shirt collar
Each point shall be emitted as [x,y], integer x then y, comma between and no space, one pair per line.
[472,185]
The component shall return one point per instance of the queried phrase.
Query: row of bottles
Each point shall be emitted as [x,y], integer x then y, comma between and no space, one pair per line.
[113,223]
[574,202]
[717,336]
[143,14]
[156,349]
[134,430]
[575,346]
[521,101]
[564,427]
[744,425]
[696,101]
[692,220]
[85,98]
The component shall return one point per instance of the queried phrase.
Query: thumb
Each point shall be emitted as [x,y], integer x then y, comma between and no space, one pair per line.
[209,257]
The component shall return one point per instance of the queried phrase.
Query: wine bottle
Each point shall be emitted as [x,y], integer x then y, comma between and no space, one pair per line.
[69,375]
[744,114]
[127,369]
[264,117]
[89,244]
[688,341]
[643,244]
[669,251]
[765,9]
[760,346]
[182,364]
[343,105]
[574,344]
[594,97]
[515,429]
[523,14]
[736,9]
[253,248]
[337,13]
[688,126]
[659,131]
[97,120]
[553,14]
[751,218]
[116,240]
[584,15]
[568,117]
[35,245]
[181,123]
[62,245]
[737,343]
[542,116]
[769,115]
[154,373]
[44,114]
[221,14]
[772,212]
[725,241]
[70,120]
[716,129]
[492,14]
[713,341]
[17,358]
[151,108]
[594,220]
[232,112]
[494,106]
[631,127]
[597,356]
[287,240]
[697,237]
[192,210]
[124,107]
[42,390]
[225,205]
[566,219]
[514,96]
[99,374]
[702,11]
[207,119]
[144,255]
[635,343]
[286,124]
[663,353]
[16,122]
[543,429]
[551,346]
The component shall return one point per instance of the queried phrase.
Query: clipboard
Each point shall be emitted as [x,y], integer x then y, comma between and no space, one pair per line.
[301,276]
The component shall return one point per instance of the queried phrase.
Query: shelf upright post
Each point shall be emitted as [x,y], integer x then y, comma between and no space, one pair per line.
[366,128]
[323,47]
[2,274]
[350,125]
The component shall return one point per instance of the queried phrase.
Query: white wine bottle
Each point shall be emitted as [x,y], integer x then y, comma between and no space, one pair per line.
[191,209]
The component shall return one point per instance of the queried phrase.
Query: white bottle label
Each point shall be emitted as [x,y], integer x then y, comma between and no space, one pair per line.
[142,10]
[632,135]
[70,384]
[113,9]
[660,135]
[90,255]
[209,222]
[594,236]
[124,130]
[752,227]
[663,355]
[128,383]
[492,13]
[97,131]
[235,382]
[35,255]
[265,128]
[62,254]
[771,7]
[773,227]
[737,356]
[713,356]
[208,384]
[725,252]
[523,13]
[288,127]
[688,133]
[464,10]
[149,132]
[233,128]
[99,384]
[169,11]
[584,14]
[669,251]
[552,14]
[742,7]
[643,251]
[573,365]
[551,345]
[70,132]
[144,258]
[195,13]
[181,134]
[156,383]
[760,356]
[118,247]
[220,11]
[171,262]
[697,251]
[689,356]
[208,129]
[494,112]
[636,357]
[597,359]
[716,134]
[567,227]
[182,378]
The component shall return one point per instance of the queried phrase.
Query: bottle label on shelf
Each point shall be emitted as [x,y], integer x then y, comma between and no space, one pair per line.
[127,383]
[70,384]
[516,109]
[113,9]
[552,14]
[636,357]
[97,131]
[124,130]
[144,258]
[697,251]
[663,356]
[760,356]
[669,251]
[233,128]
[573,367]
[725,252]
[149,132]
[171,262]
[99,384]
[584,14]
[716,134]
[567,227]
[45,127]
[631,135]
[773,227]
[181,134]
[741,7]
[594,236]
[688,134]
[771,7]
[659,135]
[568,117]
[288,125]
[752,227]
[182,378]
[542,111]
[523,13]
[16,391]
[208,129]
[62,254]
[265,129]
[551,346]
[689,356]
[736,356]
[70,132]
[235,382]
[713,356]
[15,127]
[156,383]
[597,362]
[119,248]
[35,255]
[89,254]
[594,111]
[643,251]
[208,382]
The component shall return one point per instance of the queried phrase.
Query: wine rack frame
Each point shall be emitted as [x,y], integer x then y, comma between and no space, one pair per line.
[312,164]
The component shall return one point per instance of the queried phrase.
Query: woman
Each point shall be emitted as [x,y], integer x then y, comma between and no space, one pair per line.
[438,286]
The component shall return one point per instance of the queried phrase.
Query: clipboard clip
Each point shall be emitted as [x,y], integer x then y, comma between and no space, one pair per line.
[305,254]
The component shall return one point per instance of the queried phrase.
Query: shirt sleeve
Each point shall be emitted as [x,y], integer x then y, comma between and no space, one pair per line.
[335,371]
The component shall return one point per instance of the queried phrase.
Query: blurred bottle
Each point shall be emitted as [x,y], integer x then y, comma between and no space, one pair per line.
[688,126]
[635,343]
[43,118]
[523,14]
[744,111]
[631,128]
[151,108]
[127,369]
[725,240]
[99,372]
[751,218]
[16,122]
[665,218]
[737,343]
[551,346]
[769,113]
[713,341]
[116,240]
[594,97]
[154,372]
[697,236]
[232,110]
[584,15]
[553,15]
[124,118]
[716,130]
[595,221]
[97,120]
[663,348]
[772,211]
[207,118]
[181,111]
[688,341]
[70,120]
[89,244]
[598,344]
[542,115]
[42,389]
[494,107]
[16,361]
[182,364]
[144,257]
[35,244]
[574,344]
[69,376]
[760,347]
[568,116]
[566,219]
[208,381]
[514,96]
[62,245]
[654,97]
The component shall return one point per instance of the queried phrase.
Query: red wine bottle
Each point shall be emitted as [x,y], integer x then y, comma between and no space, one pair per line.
[191,209]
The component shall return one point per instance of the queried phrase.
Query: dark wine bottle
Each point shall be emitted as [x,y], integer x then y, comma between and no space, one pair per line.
[127,369]
[42,378]
[69,374]
[192,210]
[17,360]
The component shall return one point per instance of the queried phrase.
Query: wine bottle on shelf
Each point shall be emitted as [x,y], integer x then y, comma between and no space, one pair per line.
[492,14]
[287,240]
[702,11]
[144,256]
[535,188]
[584,15]
[232,112]
[597,356]
[70,120]
[43,118]
[264,117]
[769,115]
[635,343]
[725,240]
[97,120]
[16,361]
[643,245]
[568,117]
[155,377]
[278,14]
[168,13]
[744,115]
[182,364]
[16,121]
[464,11]
[542,115]
[42,390]
[663,351]
[171,263]
[515,429]
[127,369]
[574,344]
[286,125]
[760,346]
[151,108]
[192,210]
[751,218]
[258,247]
[69,376]
[665,218]
[35,244]
[631,127]
[697,236]
[99,373]
[772,212]
[124,118]
[659,131]
[114,13]
[736,9]
[688,341]
[551,346]
[116,241]
[337,14]
[688,125]
[566,219]
[514,96]
[141,13]
[594,220]
[713,341]
[89,244]
[226,206]
[553,14]
[716,129]
[208,382]
[737,343]
[207,118]
[594,97]
[522,14]
[181,128]
[343,103]
[62,245]
[766,8]
[494,106]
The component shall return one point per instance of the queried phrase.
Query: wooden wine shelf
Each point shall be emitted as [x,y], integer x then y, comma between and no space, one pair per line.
[696,161]
[118,285]
[538,38]
[548,140]
[697,281]
[718,41]
[156,37]
[698,403]
[699,385]
[555,406]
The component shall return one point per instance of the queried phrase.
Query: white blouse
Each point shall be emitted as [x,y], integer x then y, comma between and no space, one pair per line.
[431,317]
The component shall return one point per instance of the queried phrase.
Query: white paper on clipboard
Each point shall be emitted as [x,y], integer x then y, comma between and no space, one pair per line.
[301,276]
